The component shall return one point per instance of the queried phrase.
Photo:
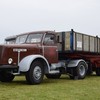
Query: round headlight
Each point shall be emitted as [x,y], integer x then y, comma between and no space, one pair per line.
[10,60]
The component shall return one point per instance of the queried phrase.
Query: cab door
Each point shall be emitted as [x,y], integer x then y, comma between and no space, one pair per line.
[50,48]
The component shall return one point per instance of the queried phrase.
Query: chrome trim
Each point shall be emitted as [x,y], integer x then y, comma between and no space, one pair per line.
[19,50]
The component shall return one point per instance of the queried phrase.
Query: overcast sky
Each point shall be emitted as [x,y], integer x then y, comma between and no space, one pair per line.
[19,16]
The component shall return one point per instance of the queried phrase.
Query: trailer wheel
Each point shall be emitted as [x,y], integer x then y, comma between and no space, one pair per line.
[98,71]
[6,77]
[35,74]
[53,76]
[81,70]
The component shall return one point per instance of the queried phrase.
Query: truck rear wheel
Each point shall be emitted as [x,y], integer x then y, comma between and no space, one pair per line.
[53,76]
[80,71]
[35,73]
[6,77]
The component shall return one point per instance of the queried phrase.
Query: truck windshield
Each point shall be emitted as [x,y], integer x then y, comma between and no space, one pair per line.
[34,38]
[21,39]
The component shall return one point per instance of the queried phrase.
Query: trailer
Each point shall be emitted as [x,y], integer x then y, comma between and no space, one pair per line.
[52,54]
[75,45]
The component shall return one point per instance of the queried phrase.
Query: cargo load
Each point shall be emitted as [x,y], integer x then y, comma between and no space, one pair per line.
[75,41]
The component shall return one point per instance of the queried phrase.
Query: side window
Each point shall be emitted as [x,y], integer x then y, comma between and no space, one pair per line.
[49,39]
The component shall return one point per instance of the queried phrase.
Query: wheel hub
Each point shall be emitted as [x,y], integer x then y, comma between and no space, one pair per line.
[82,70]
[37,73]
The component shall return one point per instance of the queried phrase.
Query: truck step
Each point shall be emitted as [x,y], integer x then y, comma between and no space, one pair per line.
[16,73]
[54,72]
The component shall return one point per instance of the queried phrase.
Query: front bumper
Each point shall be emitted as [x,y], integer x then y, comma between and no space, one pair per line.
[8,67]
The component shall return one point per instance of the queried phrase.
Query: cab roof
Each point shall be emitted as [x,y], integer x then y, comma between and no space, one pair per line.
[41,32]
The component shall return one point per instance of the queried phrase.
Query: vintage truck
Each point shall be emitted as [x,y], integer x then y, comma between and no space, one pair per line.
[50,53]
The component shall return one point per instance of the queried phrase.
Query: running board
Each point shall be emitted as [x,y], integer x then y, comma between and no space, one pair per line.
[16,73]
[54,72]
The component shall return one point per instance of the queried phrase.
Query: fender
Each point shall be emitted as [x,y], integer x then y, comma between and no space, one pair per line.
[74,63]
[25,63]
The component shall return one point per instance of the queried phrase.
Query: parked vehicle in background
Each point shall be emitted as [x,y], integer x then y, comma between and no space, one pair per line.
[50,53]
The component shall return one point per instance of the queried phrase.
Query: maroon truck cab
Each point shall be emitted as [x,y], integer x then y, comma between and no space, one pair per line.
[33,45]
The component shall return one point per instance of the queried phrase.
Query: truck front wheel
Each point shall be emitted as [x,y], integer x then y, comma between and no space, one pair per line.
[6,77]
[35,73]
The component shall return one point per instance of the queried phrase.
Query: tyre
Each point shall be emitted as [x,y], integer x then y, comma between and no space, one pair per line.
[81,70]
[98,71]
[36,73]
[53,76]
[6,77]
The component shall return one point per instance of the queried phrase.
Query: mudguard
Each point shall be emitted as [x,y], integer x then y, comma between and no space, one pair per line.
[74,63]
[26,62]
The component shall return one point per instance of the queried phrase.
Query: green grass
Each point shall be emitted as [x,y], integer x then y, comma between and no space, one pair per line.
[51,89]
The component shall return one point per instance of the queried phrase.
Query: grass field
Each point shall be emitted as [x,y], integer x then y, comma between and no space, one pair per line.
[51,89]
